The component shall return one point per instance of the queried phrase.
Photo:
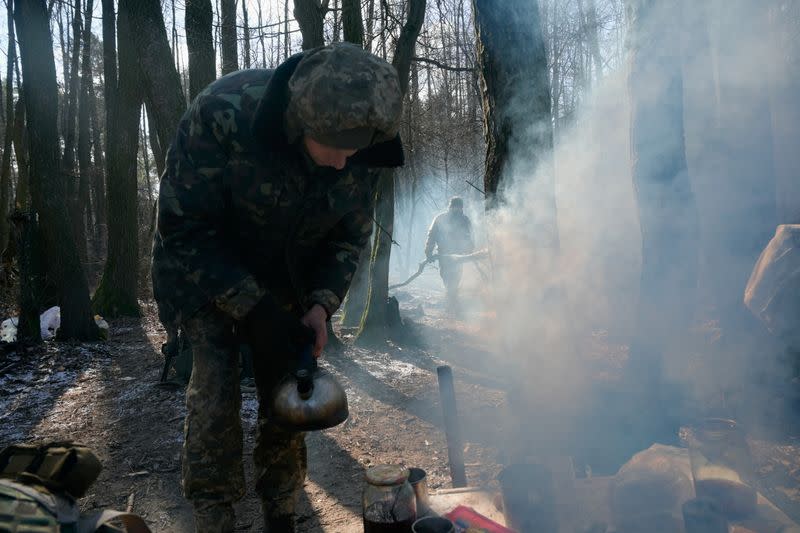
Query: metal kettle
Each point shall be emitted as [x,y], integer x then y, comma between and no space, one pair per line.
[309,399]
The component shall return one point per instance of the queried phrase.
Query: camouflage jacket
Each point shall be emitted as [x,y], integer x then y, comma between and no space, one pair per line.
[242,213]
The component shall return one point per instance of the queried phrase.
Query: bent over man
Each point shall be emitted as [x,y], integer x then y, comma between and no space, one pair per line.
[264,208]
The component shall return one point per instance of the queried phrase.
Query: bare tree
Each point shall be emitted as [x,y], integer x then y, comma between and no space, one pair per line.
[47,185]
[160,81]
[352,22]
[22,198]
[5,177]
[84,135]
[246,32]
[745,221]
[72,99]
[230,55]
[516,104]
[667,211]
[375,322]
[117,293]
[594,41]
[200,43]
[98,171]
[70,114]
[310,15]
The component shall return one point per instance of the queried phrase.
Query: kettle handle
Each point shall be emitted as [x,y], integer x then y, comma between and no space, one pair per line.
[306,367]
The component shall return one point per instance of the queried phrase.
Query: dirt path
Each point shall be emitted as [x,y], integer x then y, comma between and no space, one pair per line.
[104,394]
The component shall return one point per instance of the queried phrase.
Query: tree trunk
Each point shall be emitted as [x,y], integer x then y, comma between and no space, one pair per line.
[117,293]
[785,85]
[667,212]
[261,37]
[310,16]
[5,177]
[200,42]
[84,141]
[370,23]
[516,105]
[594,44]
[356,300]
[230,55]
[155,145]
[98,173]
[23,197]
[47,186]
[160,80]
[68,164]
[352,23]
[68,161]
[374,324]
[374,328]
[285,29]
[246,31]
[745,207]
[31,279]
[64,45]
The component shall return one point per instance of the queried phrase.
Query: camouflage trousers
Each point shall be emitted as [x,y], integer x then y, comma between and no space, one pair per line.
[212,469]
[451,276]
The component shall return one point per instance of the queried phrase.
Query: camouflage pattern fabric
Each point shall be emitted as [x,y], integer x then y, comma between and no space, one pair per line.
[450,233]
[339,88]
[245,216]
[212,450]
[213,475]
[243,212]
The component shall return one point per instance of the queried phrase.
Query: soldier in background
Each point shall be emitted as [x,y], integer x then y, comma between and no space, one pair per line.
[450,234]
[264,208]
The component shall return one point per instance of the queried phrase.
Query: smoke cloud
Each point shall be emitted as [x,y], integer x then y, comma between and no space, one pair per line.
[550,309]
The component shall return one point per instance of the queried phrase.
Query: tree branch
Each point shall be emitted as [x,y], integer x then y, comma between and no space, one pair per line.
[442,65]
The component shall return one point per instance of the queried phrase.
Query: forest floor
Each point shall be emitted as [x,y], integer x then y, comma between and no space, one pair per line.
[106,394]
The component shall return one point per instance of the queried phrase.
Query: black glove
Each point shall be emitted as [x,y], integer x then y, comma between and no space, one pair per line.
[268,327]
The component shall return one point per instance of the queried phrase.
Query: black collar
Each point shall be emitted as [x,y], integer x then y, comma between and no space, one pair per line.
[269,129]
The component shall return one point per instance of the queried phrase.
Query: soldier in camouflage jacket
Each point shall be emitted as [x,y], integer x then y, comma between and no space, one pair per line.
[264,208]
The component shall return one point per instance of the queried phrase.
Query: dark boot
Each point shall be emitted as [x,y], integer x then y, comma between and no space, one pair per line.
[214,518]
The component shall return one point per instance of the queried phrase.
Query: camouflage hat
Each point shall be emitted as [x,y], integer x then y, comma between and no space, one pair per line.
[344,96]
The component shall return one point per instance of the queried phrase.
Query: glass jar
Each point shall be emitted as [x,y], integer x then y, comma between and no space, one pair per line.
[389,503]
[722,467]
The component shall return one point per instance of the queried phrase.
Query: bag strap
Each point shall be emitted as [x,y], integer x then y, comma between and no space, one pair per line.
[133,523]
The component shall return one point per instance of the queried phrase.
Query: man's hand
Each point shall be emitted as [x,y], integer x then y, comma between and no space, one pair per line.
[315,319]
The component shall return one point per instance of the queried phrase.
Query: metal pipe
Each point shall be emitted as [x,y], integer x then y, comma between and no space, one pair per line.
[452,428]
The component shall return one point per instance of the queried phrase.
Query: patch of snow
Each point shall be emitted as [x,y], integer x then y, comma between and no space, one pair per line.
[249,406]
[49,322]
[388,368]
[8,329]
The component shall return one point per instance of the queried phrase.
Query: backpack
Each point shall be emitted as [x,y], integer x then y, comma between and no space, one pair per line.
[39,485]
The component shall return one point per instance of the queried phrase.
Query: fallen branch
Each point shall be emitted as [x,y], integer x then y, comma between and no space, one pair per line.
[456,258]
[414,276]
[464,258]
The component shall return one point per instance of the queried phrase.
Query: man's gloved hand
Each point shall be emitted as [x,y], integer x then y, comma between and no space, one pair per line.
[267,325]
